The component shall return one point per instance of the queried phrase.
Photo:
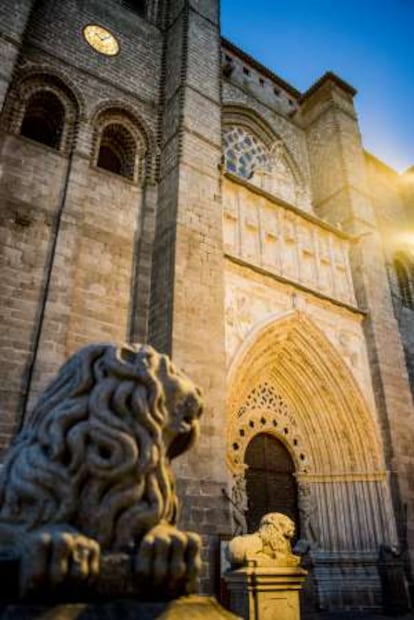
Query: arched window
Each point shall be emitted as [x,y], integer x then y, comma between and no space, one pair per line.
[117,150]
[267,166]
[243,152]
[44,107]
[404,281]
[44,119]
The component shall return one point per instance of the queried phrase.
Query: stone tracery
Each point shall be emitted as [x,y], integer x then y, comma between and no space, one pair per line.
[267,167]
[296,357]
[265,411]
[243,152]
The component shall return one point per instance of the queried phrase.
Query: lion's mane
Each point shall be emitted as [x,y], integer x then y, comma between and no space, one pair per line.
[94,453]
[271,543]
[276,532]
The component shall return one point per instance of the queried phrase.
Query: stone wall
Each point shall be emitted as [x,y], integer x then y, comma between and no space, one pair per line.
[72,232]
[197,260]
[29,202]
[13,21]
[390,200]
[262,231]
[187,313]
[342,196]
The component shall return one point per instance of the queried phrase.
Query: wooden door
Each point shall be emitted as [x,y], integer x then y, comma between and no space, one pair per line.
[270,483]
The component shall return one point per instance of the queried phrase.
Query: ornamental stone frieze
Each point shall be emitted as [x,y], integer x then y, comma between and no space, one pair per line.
[266,233]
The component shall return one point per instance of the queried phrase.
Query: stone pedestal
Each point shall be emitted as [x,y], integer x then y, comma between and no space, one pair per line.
[266,593]
[194,607]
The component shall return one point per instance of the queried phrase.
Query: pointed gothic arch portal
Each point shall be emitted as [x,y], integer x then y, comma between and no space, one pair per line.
[289,382]
[270,481]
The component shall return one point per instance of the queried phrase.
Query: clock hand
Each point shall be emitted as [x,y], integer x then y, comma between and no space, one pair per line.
[101,37]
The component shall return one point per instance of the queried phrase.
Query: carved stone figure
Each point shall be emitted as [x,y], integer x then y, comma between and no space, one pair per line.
[306,507]
[269,546]
[89,475]
[239,317]
[239,504]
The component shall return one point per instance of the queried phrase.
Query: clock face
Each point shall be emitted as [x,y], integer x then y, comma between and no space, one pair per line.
[101,39]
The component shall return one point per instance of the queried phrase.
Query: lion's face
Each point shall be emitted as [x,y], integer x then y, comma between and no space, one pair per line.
[276,526]
[184,405]
[182,400]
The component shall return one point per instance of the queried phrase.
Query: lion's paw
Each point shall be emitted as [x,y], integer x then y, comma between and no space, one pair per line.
[169,558]
[54,557]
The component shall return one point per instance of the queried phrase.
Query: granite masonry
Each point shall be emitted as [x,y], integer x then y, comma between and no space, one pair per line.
[159,185]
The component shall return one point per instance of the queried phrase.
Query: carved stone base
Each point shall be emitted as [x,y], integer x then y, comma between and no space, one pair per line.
[261,593]
[348,581]
[194,607]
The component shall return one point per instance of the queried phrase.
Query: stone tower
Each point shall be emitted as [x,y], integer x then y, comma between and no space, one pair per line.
[158,184]
[81,243]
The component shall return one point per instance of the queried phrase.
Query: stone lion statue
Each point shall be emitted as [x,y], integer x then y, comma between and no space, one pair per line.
[89,474]
[269,546]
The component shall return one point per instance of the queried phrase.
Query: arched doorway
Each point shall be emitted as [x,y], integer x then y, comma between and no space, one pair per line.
[270,483]
[287,380]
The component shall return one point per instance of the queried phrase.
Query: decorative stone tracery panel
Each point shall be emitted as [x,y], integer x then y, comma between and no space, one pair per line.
[239,109]
[285,243]
[243,152]
[268,167]
[265,411]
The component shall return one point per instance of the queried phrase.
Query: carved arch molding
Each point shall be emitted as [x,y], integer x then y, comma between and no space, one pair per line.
[289,381]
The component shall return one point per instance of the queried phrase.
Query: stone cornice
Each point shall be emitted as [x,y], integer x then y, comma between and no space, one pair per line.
[329,76]
[297,285]
[350,477]
[228,45]
[388,170]
[301,97]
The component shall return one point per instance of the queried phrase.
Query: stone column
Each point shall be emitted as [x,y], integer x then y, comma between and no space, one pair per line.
[341,195]
[187,301]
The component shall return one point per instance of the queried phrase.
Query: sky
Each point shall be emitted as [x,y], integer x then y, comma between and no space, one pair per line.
[368,43]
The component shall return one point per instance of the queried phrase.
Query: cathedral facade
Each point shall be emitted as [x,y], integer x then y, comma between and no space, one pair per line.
[157,184]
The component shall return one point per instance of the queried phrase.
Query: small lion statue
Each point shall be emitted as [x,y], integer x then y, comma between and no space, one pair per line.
[269,546]
[89,475]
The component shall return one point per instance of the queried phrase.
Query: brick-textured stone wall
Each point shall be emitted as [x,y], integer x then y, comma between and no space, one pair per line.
[342,197]
[90,287]
[187,313]
[56,28]
[73,249]
[29,200]
[88,255]
[14,15]
[389,192]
